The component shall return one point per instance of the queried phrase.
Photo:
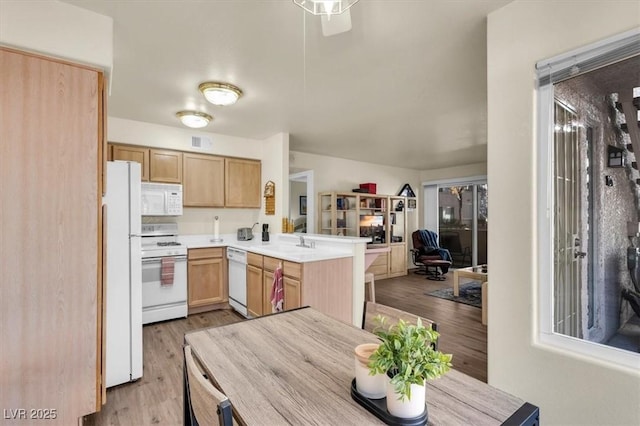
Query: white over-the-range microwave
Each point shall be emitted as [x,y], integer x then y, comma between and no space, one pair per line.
[161,199]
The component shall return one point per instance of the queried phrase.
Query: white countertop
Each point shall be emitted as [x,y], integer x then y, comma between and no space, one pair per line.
[282,246]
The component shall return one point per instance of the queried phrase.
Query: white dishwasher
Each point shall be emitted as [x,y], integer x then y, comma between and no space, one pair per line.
[237,279]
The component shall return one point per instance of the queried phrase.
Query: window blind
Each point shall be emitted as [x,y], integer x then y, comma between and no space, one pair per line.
[583,60]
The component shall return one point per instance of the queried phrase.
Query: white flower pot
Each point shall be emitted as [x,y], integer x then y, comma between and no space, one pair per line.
[409,407]
[373,387]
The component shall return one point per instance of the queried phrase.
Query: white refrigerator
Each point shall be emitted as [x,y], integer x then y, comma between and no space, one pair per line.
[124,273]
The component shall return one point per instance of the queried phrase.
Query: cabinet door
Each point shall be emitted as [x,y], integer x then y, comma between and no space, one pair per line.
[398,260]
[51,286]
[203,180]
[206,282]
[243,181]
[254,291]
[267,283]
[165,166]
[292,294]
[133,153]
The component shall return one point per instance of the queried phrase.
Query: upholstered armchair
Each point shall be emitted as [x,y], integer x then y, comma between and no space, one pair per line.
[431,259]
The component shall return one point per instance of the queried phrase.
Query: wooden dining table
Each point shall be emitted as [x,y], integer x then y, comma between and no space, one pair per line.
[296,367]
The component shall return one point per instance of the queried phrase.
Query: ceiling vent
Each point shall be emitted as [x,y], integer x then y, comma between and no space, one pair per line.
[202,143]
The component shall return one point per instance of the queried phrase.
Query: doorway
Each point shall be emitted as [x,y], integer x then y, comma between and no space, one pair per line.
[302,201]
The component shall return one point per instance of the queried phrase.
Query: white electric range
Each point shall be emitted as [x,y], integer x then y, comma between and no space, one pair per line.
[160,249]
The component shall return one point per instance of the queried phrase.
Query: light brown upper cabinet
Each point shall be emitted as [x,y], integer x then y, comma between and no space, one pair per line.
[243,180]
[133,153]
[203,180]
[165,166]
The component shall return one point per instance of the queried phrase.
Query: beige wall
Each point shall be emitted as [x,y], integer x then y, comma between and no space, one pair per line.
[275,167]
[337,174]
[568,388]
[59,29]
[468,170]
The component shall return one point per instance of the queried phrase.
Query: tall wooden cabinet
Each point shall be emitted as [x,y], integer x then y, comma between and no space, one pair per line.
[51,241]
[383,218]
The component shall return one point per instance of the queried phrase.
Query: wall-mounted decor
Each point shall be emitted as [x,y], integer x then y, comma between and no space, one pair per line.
[411,204]
[615,156]
[406,191]
[270,198]
[303,205]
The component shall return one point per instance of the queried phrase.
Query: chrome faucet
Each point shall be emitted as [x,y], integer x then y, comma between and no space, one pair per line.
[304,244]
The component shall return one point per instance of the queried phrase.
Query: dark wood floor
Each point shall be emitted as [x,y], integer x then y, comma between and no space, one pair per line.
[157,397]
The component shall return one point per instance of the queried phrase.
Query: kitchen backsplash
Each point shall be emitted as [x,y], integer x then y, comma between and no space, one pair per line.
[200,221]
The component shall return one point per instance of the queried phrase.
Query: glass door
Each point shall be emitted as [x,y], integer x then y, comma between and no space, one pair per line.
[462,222]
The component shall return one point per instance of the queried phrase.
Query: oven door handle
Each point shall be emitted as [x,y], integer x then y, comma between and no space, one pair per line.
[158,259]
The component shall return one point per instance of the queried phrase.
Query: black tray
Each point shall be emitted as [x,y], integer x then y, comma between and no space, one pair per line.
[378,407]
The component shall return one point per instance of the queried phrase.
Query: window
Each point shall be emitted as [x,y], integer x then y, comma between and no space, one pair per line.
[587,277]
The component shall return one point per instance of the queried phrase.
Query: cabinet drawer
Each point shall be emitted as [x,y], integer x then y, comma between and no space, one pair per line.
[271,263]
[206,253]
[291,269]
[254,259]
[378,269]
[381,260]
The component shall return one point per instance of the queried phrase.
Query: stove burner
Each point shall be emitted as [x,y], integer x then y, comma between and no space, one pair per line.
[168,243]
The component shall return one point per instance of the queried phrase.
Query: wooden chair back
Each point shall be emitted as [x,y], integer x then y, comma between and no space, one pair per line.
[208,405]
[393,315]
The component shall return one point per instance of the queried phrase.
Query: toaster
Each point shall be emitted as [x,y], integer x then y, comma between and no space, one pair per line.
[245,234]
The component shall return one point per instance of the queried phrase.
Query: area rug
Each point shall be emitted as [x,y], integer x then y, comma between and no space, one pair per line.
[470,294]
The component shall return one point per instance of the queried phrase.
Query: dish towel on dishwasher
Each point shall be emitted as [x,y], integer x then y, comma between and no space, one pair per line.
[167,267]
[277,292]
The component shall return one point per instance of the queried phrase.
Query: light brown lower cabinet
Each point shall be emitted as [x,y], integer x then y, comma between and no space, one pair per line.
[260,272]
[254,290]
[292,284]
[267,283]
[292,293]
[380,266]
[324,285]
[206,273]
[398,260]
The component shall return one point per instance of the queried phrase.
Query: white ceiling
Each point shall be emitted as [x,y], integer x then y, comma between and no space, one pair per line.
[405,87]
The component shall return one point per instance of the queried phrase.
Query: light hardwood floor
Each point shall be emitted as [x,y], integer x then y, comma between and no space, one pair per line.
[157,397]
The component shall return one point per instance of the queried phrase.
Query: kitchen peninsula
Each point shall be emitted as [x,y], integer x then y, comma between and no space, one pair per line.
[326,273]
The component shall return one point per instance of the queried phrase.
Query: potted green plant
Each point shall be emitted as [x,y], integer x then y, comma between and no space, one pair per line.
[407,356]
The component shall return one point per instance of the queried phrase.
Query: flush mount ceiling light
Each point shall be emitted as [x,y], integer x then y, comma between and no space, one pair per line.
[220,93]
[325,7]
[194,119]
